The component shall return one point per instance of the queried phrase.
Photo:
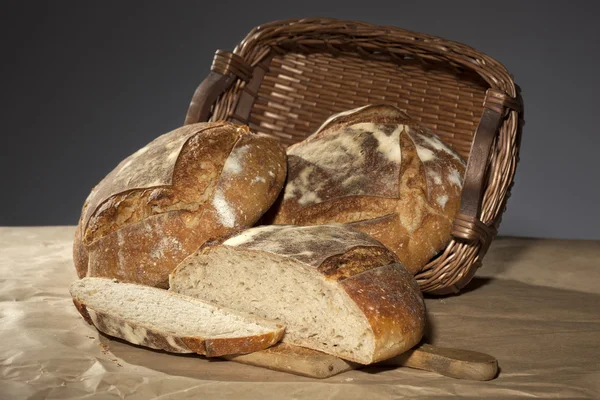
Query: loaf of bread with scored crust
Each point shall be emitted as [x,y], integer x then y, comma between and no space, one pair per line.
[380,172]
[164,320]
[196,183]
[336,289]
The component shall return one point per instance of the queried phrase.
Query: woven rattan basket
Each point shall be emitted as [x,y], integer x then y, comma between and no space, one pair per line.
[286,77]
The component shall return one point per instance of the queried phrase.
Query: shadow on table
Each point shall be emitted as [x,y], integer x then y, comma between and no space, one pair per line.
[476,283]
[506,251]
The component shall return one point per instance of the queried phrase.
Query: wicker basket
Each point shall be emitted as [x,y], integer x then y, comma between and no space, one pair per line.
[286,77]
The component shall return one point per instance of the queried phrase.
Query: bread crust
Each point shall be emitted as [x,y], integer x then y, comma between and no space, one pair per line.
[222,179]
[392,302]
[80,254]
[398,182]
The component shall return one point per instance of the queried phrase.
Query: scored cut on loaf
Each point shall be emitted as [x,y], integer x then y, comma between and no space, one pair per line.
[336,289]
[164,320]
[196,183]
[379,171]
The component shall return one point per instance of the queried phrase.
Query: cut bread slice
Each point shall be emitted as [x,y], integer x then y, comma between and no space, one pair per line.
[336,289]
[164,320]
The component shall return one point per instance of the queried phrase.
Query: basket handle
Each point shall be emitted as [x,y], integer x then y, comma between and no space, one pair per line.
[467,226]
[226,68]
[205,95]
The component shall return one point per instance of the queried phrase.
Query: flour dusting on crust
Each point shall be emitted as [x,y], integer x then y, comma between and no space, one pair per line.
[305,187]
[321,168]
[434,142]
[226,213]
[308,244]
[442,200]
[360,158]
[248,235]
[425,154]
[455,178]
[233,164]
[389,145]
[167,244]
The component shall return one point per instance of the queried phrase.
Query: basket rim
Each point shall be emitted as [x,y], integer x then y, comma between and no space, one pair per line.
[362,32]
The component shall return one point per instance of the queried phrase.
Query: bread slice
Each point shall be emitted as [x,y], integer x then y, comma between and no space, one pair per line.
[164,320]
[336,289]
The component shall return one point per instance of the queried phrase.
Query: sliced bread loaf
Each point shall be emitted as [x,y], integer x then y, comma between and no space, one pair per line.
[336,289]
[164,320]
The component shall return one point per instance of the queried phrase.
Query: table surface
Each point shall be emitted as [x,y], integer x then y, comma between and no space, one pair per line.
[535,306]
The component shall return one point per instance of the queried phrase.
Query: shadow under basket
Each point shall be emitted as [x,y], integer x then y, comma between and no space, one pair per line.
[286,77]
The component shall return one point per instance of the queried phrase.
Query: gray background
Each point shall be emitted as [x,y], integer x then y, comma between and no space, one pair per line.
[84,84]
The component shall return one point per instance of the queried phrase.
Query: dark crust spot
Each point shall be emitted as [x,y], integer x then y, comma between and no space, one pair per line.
[83,311]
[242,345]
[356,261]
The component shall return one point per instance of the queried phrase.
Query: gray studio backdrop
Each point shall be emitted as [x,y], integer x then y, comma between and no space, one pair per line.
[84,84]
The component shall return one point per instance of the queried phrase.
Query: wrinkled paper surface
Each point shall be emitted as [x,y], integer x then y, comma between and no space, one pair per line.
[535,306]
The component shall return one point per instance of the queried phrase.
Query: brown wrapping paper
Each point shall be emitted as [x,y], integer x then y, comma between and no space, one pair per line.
[535,307]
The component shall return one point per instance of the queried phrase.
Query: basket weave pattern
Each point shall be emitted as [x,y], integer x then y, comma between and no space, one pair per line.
[285,78]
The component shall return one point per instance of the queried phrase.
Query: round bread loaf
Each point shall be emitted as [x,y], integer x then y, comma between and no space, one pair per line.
[380,172]
[191,185]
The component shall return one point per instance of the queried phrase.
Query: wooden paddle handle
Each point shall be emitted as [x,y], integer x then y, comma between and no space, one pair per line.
[455,363]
